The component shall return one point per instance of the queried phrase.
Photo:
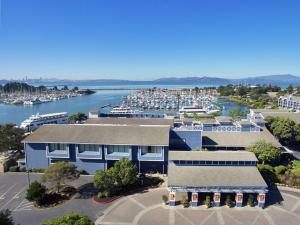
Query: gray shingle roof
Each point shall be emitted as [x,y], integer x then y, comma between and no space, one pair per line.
[101,134]
[237,139]
[212,155]
[215,176]
[130,121]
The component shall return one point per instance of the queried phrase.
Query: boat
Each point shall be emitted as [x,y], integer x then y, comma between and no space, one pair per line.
[32,102]
[35,121]
[196,109]
[124,110]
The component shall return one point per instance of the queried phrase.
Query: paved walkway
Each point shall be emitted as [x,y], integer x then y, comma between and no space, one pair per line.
[147,208]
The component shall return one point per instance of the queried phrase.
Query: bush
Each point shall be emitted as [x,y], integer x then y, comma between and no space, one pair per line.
[36,192]
[6,218]
[23,169]
[165,199]
[117,178]
[14,169]
[250,200]
[268,174]
[280,169]
[70,219]
[184,201]
[207,201]
[228,201]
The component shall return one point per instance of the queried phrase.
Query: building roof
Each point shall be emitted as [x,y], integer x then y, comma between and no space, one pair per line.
[212,155]
[214,176]
[101,134]
[130,121]
[237,139]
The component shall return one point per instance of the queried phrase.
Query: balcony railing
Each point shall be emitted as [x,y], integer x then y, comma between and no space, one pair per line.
[150,156]
[89,154]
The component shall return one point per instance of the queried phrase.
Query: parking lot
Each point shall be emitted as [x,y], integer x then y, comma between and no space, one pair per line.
[143,208]
[12,196]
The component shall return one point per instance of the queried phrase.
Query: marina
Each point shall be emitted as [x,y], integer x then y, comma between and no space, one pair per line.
[110,98]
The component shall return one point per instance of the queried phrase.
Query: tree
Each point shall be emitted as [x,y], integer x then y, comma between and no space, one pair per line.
[116,178]
[290,89]
[250,200]
[6,218]
[235,113]
[36,192]
[125,173]
[265,152]
[78,117]
[10,138]
[69,219]
[207,201]
[59,173]
[103,180]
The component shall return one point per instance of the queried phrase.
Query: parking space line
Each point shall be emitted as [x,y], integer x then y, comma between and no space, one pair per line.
[3,195]
[12,199]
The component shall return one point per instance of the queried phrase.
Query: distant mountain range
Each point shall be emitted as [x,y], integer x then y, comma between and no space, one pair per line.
[282,80]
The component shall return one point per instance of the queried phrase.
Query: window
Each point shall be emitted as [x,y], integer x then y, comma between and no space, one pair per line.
[117,148]
[88,148]
[151,149]
[57,147]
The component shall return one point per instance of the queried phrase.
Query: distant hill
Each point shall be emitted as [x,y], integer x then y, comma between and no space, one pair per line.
[285,79]
[281,80]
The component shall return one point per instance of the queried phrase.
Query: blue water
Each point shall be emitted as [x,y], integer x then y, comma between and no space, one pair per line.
[17,113]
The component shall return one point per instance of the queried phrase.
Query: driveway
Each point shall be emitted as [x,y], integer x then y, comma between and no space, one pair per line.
[147,208]
[12,196]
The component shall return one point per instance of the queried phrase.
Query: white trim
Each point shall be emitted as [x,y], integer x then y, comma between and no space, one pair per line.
[92,156]
[146,157]
[58,152]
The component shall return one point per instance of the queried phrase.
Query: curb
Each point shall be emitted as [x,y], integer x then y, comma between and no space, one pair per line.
[105,202]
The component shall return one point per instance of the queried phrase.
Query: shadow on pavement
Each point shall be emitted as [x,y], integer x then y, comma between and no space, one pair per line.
[86,191]
[274,197]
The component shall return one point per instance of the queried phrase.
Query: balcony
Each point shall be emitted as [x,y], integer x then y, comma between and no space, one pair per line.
[151,153]
[57,151]
[85,151]
[117,152]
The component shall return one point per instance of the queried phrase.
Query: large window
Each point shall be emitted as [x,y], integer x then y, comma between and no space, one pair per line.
[117,148]
[151,149]
[57,147]
[88,148]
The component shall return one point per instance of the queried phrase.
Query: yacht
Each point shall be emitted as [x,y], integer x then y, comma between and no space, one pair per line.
[124,110]
[35,121]
[199,110]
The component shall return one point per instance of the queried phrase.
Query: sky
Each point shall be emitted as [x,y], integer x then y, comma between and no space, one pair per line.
[148,39]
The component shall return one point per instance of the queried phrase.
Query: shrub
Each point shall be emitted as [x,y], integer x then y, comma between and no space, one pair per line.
[268,174]
[117,178]
[165,199]
[23,169]
[250,200]
[14,169]
[228,201]
[70,219]
[36,192]
[280,169]
[184,201]
[207,201]
[6,218]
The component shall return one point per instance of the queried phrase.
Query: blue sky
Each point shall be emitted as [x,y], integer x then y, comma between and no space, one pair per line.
[148,39]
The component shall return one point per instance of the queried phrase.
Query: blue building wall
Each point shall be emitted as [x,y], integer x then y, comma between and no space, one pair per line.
[37,159]
[36,156]
[185,139]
